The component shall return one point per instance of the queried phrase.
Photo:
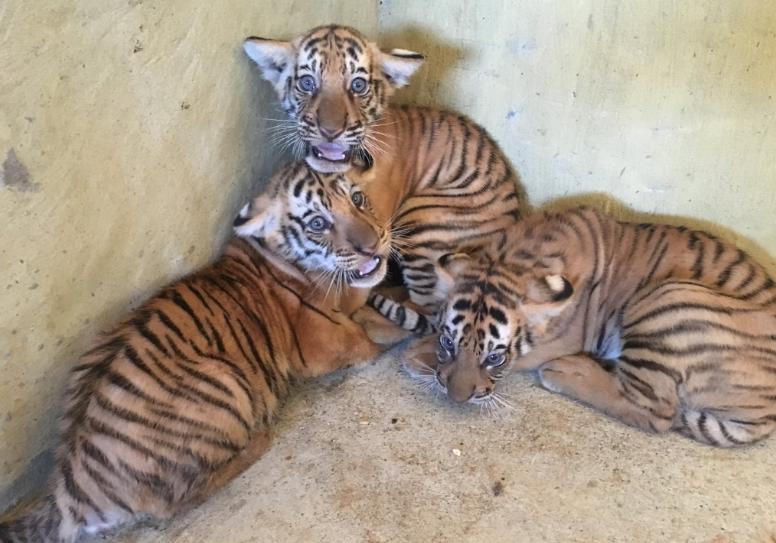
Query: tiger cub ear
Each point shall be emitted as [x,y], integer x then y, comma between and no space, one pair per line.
[272,57]
[450,267]
[545,298]
[555,288]
[398,65]
[258,218]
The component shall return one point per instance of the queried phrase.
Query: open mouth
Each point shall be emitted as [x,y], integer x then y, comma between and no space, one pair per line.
[332,152]
[368,268]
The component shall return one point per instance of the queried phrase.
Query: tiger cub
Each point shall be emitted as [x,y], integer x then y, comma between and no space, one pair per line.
[177,401]
[439,176]
[662,327]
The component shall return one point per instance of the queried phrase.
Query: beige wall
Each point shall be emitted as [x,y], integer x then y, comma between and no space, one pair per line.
[130,131]
[668,106]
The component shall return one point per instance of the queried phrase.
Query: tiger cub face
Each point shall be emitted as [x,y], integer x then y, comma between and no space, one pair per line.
[335,85]
[321,223]
[495,312]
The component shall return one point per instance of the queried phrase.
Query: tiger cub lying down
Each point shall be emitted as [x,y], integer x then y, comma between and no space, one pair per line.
[177,400]
[662,327]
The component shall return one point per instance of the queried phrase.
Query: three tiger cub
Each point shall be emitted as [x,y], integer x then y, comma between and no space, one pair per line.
[662,327]
[439,177]
[177,401]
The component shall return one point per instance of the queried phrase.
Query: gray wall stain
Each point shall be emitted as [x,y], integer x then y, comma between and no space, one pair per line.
[15,175]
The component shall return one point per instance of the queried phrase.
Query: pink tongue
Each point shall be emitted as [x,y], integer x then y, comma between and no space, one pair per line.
[368,266]
[332,151]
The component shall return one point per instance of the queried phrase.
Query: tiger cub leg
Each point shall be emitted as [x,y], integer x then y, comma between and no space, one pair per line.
[620,394]
[259,443]
[388,321]
[419,360]
[378,328]
[339,345]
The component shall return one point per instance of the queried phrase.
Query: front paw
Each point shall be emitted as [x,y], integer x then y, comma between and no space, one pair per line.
[378,328]
[559,375]
[419,358]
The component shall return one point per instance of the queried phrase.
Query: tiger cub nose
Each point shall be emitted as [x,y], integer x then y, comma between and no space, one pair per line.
[330,133]
[366,250]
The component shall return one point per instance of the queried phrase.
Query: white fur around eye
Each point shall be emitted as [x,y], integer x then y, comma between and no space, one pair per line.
[555,282]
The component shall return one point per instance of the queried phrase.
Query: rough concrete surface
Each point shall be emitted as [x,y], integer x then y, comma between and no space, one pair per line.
[365,455]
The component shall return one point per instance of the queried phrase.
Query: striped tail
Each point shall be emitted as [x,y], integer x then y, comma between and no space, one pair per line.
[712,430]
[41,522]
[402,316]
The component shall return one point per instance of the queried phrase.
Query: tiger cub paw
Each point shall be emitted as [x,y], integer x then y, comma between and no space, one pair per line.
[378,328]
[560,376]
[419,359]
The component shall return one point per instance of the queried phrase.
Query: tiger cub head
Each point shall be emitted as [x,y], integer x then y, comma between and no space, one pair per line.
[496,310]
[334,85]
[321,223]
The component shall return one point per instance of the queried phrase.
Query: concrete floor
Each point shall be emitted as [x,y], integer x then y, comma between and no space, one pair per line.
[365,455]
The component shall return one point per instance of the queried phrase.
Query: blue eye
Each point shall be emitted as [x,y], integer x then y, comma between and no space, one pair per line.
[358,85]
[495,359]
[318,224]
[446,343]
[307,83]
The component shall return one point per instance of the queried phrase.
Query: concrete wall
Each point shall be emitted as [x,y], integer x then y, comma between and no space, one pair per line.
[130,131]
[668,106]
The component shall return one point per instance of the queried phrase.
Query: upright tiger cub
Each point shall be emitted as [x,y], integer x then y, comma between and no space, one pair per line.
[437,175]
[178,400]
[661,327]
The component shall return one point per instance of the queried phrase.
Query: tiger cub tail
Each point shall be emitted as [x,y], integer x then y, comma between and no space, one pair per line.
[401,315]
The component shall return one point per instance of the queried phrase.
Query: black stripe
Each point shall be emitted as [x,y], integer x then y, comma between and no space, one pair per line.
[199,425]
[705,430]
[207,379]
[199,296]
[75,491]
[136,361]
[95,453]
[653,366]
[216,336]
[170,324]
[727,434]
[151,337]
[105,486]
[267,373]
[99,427]
[724,276]
[153,482]
[122,382]
[695,243]
[668,308]
[642,386]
